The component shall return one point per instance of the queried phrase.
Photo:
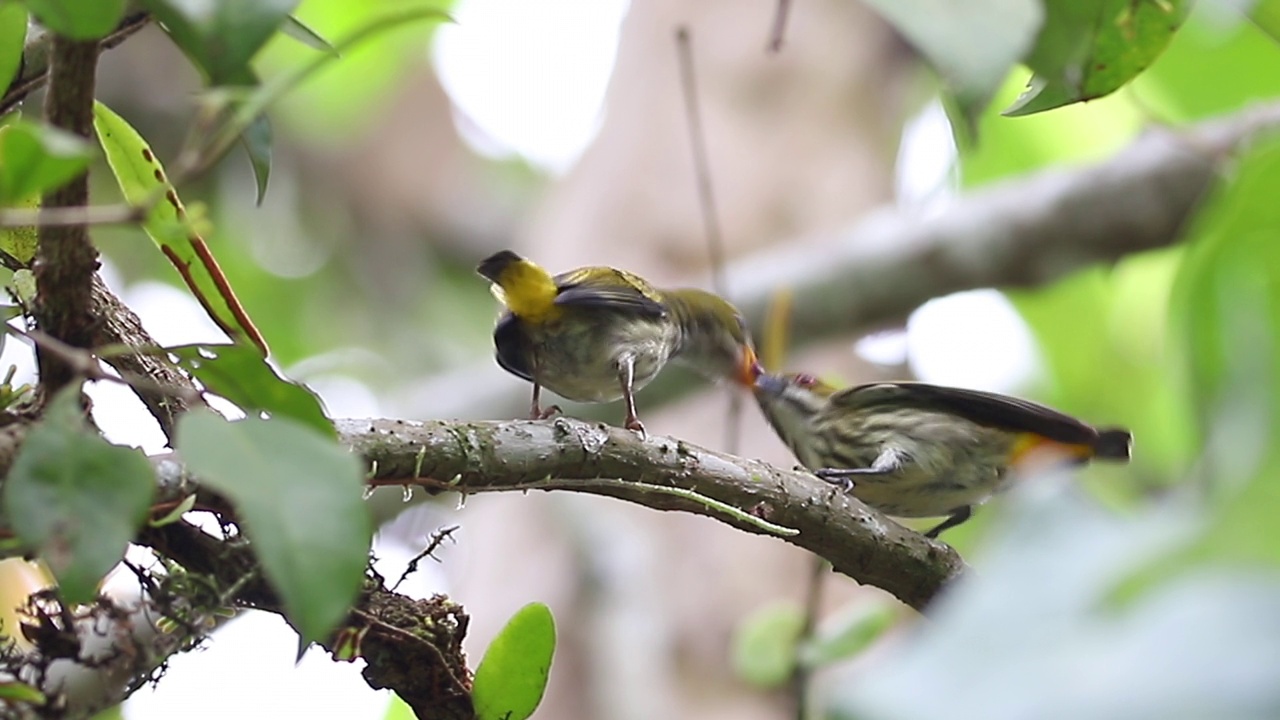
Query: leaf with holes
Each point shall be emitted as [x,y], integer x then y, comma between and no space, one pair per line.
[299,497]
[143,181]
[513,674]
[1090,48]
[76,498]
[240,374]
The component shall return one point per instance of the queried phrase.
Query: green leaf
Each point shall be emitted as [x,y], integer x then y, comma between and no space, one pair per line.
[13,33]
[21,241]
[143,182]
[513,674]
[973,45]
[299,497]
[257,143]
[37,158]
[24,285]
[221,37]
[240,374]
[1090,48]
[764,645]
[12,691]
[78,19]
[851,633]
[1014,641]
[249,105]
[1227,310]
[76,498]
[300,31]
[1266,15]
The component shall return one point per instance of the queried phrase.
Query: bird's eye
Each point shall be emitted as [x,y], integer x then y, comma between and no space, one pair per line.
[806,380]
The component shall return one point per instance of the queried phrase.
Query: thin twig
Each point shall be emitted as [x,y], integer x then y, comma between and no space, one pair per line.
[85,364]
[779,30]
[437,538]
[707,203]
[800,670]
[77,215]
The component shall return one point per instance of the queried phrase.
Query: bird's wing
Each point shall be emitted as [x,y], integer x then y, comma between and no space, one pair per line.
[983,408]
[607,287]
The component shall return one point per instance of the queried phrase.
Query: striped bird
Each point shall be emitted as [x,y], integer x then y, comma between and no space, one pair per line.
[912,450]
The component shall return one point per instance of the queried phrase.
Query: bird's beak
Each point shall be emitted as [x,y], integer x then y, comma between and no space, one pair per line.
[750,368]
[769,384]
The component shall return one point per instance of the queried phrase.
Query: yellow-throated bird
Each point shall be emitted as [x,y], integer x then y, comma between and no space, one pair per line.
[915,450]
[597,334]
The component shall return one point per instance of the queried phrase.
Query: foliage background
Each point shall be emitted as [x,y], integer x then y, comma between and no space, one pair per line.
[384,194]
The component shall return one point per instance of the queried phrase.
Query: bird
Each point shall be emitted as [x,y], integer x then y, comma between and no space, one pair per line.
[598,334]
[911,449]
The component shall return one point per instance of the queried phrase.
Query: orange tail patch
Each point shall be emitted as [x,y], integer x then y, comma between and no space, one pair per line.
[1031,451]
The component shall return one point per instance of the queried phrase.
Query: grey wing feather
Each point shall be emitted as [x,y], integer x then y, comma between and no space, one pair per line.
[985,408]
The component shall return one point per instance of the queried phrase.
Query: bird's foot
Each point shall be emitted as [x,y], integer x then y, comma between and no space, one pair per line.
[633,423]
[544,413]
[836,477]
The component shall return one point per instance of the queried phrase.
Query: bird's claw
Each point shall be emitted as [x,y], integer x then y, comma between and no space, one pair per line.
[633,423]
[545,413]
[835,477]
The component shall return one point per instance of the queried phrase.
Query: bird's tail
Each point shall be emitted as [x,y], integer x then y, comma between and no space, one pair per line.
[1113,444]
[527,290]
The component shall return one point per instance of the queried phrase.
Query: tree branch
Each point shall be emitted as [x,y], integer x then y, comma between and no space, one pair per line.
[65,258]
[662,473]
[119,326]
[1022,232]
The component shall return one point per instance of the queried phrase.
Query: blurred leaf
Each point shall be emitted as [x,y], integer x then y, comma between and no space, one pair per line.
[764,644]
[240,374]
[257,143]
[1210,68]
[1016,641]
[250,104]
[972,45]
[513,673]
[19,579]
[1089,48]
[298,30]
[75,497]
[143,181]
[78,19]
[221,37]
[852,632]
[37,158]
[13,33]
[1266,15]
[345,96]
[24,287]
[12,691]
[21,242]
[1102,336]
[1227,308]
[299,497]
[399,710]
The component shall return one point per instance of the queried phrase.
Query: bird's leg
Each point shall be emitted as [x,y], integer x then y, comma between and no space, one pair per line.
[887,463]
[535,410]
[957,516]
[626,374]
